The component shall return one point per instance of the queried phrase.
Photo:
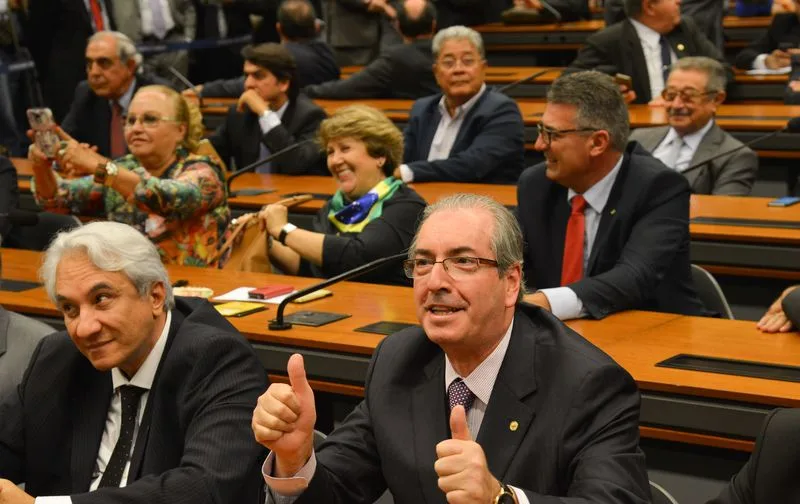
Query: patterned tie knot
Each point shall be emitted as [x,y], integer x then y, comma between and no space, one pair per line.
[459,393]
[130,395]
[578,204]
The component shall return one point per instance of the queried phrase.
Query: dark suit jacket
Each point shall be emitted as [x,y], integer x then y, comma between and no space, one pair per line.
[402,71]
[640,256]
[577,411]
[783,28]
[706,14]
[489,147]
[731,175]
[89,117]
[194,444]
[468,12]
[9,194]
[791,306]
[618,49]
[315,62]
[771,473]
[239,138]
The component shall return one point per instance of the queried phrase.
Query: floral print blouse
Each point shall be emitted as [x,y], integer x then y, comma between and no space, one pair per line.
[184,211]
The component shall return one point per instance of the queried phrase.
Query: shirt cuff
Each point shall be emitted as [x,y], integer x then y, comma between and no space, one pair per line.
[54,499]
[268,120]
[521,497]
[406,174]
[564,303]
[285,490]
[760,63]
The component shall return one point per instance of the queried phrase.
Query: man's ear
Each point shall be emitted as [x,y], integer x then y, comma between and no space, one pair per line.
[158,298]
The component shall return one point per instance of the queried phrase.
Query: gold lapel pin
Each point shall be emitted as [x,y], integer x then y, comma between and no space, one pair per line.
[613,211]
[681,47]
[513,426]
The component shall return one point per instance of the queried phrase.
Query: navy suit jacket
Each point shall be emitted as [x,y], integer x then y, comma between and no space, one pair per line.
[577,413]
[640,257]
[194,444]
[89,117]
[489,147]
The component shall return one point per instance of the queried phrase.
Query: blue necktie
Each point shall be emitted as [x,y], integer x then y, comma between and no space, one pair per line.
[666,58]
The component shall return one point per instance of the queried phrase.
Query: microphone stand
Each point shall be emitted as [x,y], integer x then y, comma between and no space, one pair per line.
[529,78]
[280,325]
[253,166]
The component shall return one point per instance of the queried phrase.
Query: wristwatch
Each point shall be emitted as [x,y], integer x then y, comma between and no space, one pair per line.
[106,173]
[285,230]
[506,495]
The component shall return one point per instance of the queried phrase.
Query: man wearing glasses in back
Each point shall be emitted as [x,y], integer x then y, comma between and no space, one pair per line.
[490,401]
[606,224]
[695,88]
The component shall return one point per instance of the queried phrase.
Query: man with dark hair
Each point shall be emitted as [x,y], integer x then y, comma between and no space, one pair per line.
[402,71]
[606,224]
[297,27]
[270,116]
[644,45]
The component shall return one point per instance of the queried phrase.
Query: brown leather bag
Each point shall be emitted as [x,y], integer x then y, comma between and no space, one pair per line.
[248,241]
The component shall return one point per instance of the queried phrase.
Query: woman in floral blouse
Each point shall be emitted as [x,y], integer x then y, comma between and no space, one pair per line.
[176,198]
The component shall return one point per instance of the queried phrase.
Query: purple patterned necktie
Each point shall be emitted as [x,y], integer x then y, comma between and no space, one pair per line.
[459,393]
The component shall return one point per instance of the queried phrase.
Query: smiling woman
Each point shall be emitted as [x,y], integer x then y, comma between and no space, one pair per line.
[372,215]
[176,198]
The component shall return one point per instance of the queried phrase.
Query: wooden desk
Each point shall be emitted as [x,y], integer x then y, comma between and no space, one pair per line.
[682,406]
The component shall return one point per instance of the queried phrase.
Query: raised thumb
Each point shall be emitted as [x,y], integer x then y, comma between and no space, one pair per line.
[458,424]
[297,374]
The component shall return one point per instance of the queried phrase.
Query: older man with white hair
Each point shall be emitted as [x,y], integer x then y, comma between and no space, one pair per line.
[101,101]
[145,398]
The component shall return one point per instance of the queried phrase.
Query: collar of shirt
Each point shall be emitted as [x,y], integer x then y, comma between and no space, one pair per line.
[481,380]
[463,109]
[692,140]
[127,96]
[597,195]
[647,35]
[147,372]
[283,108]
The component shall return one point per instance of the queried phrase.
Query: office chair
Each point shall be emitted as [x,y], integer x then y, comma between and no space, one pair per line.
[710,292]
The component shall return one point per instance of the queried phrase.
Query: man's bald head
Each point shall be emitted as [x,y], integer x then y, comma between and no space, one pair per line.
[416,18]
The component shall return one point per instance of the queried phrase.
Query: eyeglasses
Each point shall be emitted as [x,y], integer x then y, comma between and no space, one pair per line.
[148,120]
[450,63]
[457,267]
[547,134]
[103,63]
[687,95]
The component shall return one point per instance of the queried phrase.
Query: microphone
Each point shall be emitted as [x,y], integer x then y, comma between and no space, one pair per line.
[552,10]
[253,166]
[792,126]
[20,217]
[529,78]
[280,325]
[186,82]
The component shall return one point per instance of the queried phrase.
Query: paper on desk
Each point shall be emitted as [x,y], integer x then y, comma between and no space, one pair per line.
[240,294]
[769,71]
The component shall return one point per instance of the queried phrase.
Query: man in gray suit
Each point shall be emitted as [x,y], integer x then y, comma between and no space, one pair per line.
[695,88]
[19,336]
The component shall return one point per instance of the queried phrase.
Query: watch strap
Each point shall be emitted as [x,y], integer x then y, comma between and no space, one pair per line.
[285,230]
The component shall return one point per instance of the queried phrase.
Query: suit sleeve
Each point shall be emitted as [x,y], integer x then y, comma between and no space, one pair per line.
[764,44]
[602,428]
[592,57]
[373,81]
[657,235]
[737,175]
[499,140]
[224,88]
[220,456]
[70,122]
[9,193]
[221,139]
[791,306]
[303,160]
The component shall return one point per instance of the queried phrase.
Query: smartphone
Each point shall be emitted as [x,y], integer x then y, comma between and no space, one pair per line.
[784,202]
[43,126]
[270,291]
[624,80]
[239,308]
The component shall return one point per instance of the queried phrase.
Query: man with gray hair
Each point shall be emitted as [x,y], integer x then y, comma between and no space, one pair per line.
[695,88]
[606,224]
[535,412]
[101,101]
[467,133]
[144,398]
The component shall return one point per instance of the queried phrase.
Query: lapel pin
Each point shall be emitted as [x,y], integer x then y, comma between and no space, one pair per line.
[613,211]
[513,426]
[681,47]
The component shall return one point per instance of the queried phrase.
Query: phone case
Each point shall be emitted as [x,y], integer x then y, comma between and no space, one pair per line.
[239,308]
[270,291]
[42,124]
[313,296]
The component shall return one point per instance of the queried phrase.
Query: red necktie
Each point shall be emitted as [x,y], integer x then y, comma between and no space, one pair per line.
[118,146]
[97,15]
[572,265]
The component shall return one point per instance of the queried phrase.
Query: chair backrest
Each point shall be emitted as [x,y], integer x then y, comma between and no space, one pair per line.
[660,495]
[710,292]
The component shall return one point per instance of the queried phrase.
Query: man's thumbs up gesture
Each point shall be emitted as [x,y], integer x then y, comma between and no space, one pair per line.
[284,419]
[463,473]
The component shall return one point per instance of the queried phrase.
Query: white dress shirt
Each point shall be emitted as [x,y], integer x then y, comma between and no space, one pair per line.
[690,144]
[144,379]
[564,303]
[480,382]
[651,48]
[268,121]
[446,132]
[146,13]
